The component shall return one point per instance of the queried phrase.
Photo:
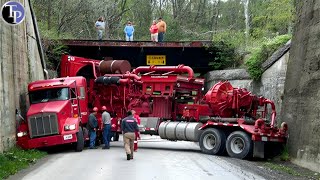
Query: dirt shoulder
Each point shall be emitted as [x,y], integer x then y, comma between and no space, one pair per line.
[275,169]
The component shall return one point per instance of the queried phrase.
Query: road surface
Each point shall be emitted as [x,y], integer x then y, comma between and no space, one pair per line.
[156,159]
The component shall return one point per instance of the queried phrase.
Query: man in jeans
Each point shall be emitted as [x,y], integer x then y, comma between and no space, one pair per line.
[129,127]
[162,28]
[106,120]
[92,127]
[100,26]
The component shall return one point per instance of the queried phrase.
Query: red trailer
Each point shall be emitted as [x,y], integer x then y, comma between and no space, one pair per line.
[171,99]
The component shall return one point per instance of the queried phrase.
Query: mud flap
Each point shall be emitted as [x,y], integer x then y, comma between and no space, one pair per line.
[258,149]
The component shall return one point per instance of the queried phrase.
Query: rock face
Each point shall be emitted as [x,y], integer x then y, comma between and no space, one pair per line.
[19,64]
[301,104]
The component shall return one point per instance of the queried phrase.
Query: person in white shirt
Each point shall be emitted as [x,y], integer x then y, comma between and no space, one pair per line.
[100,26]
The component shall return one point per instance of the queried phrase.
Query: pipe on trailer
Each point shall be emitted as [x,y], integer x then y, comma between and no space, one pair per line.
[273,114]
[178,69]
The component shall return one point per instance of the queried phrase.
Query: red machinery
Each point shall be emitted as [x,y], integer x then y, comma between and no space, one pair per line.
[226,118]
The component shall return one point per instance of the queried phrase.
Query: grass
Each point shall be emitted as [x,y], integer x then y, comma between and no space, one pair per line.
[284,156]
[282,168]
[16,159]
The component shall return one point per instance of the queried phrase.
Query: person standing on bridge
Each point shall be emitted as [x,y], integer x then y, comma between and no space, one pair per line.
[162,28]
[106,120]
[154,31]
[129,30]
[129,127]
[92,126]
[100,26]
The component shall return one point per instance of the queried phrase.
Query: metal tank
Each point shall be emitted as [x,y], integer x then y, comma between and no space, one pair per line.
[186,131]
[114,67]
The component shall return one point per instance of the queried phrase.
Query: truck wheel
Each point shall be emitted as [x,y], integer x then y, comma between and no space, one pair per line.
[86,136]
[212,141]
[80,141]
[239,145]
[116,136]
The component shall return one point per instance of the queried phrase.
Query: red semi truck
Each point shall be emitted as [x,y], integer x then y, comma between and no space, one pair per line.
[169,99]
[57,114]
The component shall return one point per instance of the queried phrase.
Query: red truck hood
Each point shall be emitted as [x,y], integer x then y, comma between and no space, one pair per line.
[54,106]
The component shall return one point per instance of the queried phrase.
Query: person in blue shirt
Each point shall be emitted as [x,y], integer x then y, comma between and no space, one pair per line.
[129,126]
[129,30]
[100,26]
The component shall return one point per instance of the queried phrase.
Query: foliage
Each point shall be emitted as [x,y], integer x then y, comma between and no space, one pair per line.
[225,55]
[217,20]
[284,156]
[54,49]
[282,168]
[262,53]
[16,159]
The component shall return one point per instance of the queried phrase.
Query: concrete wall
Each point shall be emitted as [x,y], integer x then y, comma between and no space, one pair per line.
[301,104]
[271,85]
[19,65]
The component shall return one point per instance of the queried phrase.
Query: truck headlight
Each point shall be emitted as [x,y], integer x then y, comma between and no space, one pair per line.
[70,127]
[20,134]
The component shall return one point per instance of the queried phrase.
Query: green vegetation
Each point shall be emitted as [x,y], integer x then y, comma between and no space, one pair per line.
[284,156]
[262,53]
[282,168]
[53,50]
[237,34]
[225,55]
[16,159]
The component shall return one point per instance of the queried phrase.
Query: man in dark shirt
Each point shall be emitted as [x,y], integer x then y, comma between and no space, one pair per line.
[92,127]
[129,127]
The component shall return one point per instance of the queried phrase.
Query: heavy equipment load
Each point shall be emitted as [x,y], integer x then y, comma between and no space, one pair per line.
[114,67]
[171,103]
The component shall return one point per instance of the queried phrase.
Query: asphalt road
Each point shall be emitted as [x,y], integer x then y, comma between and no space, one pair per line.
[155,159]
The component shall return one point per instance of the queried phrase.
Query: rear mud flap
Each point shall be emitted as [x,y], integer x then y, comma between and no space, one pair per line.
[258,149]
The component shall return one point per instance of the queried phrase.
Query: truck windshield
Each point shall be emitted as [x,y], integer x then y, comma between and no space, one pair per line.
[56,94]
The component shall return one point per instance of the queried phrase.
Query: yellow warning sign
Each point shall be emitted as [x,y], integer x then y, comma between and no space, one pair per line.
[156,60]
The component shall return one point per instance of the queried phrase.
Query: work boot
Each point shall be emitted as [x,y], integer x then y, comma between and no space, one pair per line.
[128,157]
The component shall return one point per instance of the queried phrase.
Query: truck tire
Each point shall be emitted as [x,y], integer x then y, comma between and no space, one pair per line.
[86,135]
[80,141]
[239,145]
[212,141]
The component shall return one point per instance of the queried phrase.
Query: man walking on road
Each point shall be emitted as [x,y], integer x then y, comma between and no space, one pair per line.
[129,127]
[92,127]
[106,120]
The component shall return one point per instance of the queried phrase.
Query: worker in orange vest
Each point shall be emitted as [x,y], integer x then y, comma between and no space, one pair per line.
[137,136]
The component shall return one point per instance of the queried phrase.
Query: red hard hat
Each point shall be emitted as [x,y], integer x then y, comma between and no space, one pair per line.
[104,108]
[95,109]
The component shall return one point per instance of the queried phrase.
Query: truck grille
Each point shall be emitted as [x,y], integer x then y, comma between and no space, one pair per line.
[43,125]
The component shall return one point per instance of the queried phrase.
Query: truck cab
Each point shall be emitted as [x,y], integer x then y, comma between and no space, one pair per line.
[57,114]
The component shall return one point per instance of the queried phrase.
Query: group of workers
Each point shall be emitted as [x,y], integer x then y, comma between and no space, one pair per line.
[157,29]
[129,127]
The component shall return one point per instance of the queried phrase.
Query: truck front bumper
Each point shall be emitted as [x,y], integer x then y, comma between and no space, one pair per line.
[27,143]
